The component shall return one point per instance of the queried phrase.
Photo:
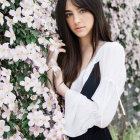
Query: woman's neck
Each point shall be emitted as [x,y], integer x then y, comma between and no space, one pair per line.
[85,44]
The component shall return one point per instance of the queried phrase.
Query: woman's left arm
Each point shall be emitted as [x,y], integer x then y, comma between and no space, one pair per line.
[82,113]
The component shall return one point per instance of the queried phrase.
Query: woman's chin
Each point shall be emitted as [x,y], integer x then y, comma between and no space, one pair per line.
[81,35]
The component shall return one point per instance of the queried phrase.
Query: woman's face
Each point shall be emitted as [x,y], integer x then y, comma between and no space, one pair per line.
[79,20]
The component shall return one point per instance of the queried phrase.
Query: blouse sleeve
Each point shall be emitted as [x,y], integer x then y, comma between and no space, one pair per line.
[82,113]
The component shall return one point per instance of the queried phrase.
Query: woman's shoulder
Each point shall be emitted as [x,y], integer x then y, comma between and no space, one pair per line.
[111,47]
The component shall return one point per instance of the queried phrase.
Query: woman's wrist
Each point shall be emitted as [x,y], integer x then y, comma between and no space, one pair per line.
[62,89]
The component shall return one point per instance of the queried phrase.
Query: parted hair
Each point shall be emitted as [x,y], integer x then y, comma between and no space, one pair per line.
[71,61]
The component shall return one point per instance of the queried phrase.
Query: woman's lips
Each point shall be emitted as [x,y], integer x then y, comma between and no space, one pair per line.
[79,28]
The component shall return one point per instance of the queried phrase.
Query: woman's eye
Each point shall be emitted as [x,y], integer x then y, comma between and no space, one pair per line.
[68,15]
[82,11]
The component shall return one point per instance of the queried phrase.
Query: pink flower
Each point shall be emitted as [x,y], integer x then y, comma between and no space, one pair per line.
[3,128]
[27,83]
[6,114]
[16,136]
[36,130]
[45,133]
[16,14]
[35,118]
[11,100]
[52,134]
[45,120]
[47,104]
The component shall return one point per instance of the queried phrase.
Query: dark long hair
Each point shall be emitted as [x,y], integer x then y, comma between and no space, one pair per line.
[71,61]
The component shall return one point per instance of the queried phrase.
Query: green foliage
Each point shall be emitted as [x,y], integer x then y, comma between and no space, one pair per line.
[130,133]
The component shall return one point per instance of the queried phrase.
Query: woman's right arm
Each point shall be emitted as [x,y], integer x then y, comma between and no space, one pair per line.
[52,61]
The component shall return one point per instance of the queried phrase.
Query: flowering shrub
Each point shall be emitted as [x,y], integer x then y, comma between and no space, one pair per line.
[28,109]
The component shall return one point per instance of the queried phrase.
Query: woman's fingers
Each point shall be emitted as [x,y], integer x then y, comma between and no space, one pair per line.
[61,50]
[60,44]
[54,54]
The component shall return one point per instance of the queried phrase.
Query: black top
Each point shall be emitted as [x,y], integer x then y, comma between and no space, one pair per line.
[89,88]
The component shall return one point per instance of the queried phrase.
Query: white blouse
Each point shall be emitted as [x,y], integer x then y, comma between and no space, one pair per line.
[82,113]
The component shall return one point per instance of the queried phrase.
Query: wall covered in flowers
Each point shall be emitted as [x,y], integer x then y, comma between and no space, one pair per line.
[28,109]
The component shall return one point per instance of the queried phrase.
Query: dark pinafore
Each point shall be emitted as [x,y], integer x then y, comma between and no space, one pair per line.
[94,133]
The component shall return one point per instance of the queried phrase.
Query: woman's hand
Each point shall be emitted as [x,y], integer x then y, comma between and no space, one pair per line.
[57,78]
[53,52]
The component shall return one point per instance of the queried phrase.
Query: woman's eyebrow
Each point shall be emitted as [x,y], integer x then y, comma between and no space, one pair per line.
[71,11]
[67,11]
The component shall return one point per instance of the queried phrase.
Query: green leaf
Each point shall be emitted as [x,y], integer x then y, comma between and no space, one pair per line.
[17,63]
[42,79]
[35,33]
[28,40]
[24,116]
[26,129]
[5,10]
[25,123]
[35,101]
[25,105]
[18,40]
[34,39]
[23,31]
[43,49]
[20,77]
[12,5]
[11,124]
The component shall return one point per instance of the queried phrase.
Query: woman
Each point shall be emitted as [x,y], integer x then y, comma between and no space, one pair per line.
[92,70]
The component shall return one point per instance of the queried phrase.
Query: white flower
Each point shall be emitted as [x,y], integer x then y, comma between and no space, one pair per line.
[36,58]
[37,88]
[36,24]
[28,6]
[6,114]
[52,135]
[35,118]
[60,129]
[16,136]
[16,14]
[43,41]
[35,75]
[5,72]
[27,83]
[13,1]
[44,91]
[3,128]
[58,117]
[48,104]
[5,3]
[1,19]
[4,51]
[33,106]
[28,19]
[36,130]
[2,98]
[10,22]
[35,47]
[33,97]
[11,35]
[19,53]
[43,66]
[11,100]
[45,120]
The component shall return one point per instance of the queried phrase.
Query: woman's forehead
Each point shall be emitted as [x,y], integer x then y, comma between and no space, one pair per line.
[72,4]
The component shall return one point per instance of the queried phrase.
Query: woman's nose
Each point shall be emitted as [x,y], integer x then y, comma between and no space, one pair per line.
[76,18]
